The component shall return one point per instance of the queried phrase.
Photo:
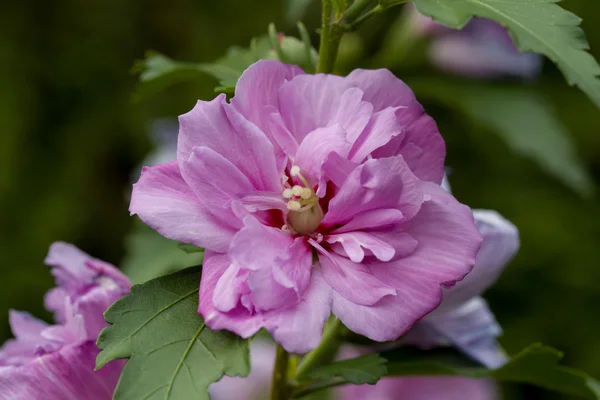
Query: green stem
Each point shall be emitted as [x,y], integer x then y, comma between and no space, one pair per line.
[331,35]
[280,389]
[358,21]
[356,9]
[329,344]
[352,20]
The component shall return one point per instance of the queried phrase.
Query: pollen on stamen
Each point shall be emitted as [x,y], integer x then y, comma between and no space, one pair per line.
[295,170]
[288,193]
[294,205]
[297,190]
[306,193]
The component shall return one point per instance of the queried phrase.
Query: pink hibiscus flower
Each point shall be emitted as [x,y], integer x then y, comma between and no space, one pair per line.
[312,194]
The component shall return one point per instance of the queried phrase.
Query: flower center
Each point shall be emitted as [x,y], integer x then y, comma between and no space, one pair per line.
[305,211]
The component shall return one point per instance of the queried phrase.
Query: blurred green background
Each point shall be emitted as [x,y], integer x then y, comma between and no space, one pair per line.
[71,138]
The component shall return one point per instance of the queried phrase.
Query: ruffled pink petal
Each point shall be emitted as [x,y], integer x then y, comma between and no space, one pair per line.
[297,328]
[352,280]
[25,326]
[218,126]
[239,320]
[54,301]
[352,114]
[72,332]
[387,319]
[230,288]
[280,265]
[64,375]
[355,244]
[165,202]
[92,305]
[383,219]
[257,90]
[86,285]
[281,135]
[376,184]
[499,246]
[337,168]
[70,270]
[309,102]
[216,182]
[293,268]
[423,149]
[257,246]
[268,294]
[382,89]
[316,147]
[27,331]
[448,242]
[383,126]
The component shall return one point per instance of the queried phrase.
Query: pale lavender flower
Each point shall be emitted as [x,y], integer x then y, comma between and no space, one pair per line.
[312,194]
[56,362]
[483,48]
[463,319]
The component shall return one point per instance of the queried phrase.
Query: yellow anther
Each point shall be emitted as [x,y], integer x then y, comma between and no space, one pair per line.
[295,171]
[288,193]
[306,193]
[297,190]
[294,205]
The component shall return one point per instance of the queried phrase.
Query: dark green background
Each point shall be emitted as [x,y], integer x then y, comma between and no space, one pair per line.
[70,138]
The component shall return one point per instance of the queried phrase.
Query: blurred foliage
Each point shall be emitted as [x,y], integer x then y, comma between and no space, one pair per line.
[149,255]
[71,138]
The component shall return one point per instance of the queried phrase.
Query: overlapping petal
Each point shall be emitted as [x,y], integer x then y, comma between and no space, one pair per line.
[257,90]
[499,246]
[464,319]
[218,126]
[374,185]
[307,316]
[421,144]
[165,202]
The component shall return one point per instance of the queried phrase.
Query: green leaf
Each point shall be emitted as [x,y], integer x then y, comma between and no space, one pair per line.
[172,354]
[339,6]
[150,255]
[158,72]
[538,26]
[360,370]
[521,117]
[536,365]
